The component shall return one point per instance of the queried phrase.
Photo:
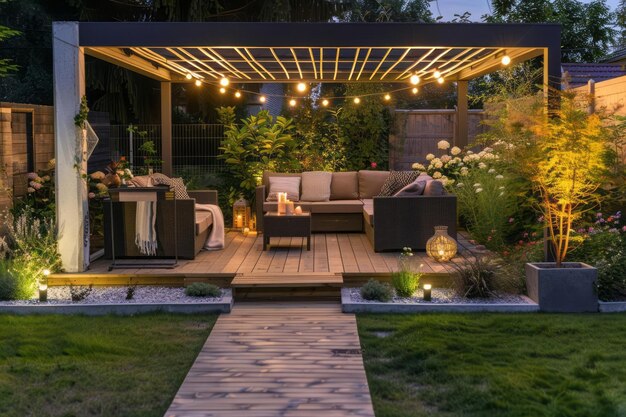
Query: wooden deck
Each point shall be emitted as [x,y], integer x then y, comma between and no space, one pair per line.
[342,253]
[292,360]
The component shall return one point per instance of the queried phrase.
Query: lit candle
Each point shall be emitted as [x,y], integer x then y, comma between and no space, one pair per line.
[298,210]
[427,292]
[282,199]
[289,207]
[239,221]
[246,231]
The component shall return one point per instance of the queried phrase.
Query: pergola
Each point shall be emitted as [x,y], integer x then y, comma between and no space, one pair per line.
[268,53]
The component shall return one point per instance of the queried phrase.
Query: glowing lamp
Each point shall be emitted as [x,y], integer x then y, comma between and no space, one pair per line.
[415,80]
[222,90]
[437,74]
[441,247]
[357,100]
[224,82]
[188,76]
[198,83]
[428,292]
[262,99]
[241,214]
[43,286]
[387,97]
[440,80]
[237,94]
[324,102]
[506,60]
[414,90]
[301,87]
[292,103]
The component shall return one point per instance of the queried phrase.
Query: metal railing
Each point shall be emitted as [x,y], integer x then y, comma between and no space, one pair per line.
[195,147]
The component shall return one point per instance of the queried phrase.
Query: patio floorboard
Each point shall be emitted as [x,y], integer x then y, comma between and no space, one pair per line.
[278,359]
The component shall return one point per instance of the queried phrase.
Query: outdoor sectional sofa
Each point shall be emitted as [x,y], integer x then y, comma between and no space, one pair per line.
[192,226]
[390,223]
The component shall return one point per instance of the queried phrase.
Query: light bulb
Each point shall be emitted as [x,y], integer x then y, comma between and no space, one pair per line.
[224,82]
[414,90]
[324,102]
[440,80]
[356,100]
[188,76]
[237,94]
[436,74]
[301,87]
[198,83]
[506,60]
[222,90]
[46,272]
[262,99]
[387,97]
[415,80]
[292,103]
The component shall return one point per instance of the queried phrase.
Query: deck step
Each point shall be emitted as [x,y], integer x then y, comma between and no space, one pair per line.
[281,280]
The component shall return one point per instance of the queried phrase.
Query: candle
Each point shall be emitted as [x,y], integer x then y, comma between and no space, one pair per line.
[289,207]
[246,231]
[298,210]
[282,200]
[239,221]
[427,292]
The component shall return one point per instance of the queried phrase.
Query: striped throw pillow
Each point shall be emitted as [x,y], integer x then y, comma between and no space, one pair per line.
[289,185]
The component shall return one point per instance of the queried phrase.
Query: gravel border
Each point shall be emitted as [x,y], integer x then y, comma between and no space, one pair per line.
[443,300]
[112,300]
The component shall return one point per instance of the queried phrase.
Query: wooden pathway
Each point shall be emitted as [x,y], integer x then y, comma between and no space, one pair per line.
[348,253]
[278,359]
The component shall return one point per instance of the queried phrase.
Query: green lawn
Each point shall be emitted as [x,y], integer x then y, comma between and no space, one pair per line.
[88,366]
[496,365]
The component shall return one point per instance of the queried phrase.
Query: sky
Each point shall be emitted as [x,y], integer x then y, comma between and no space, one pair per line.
[476,7]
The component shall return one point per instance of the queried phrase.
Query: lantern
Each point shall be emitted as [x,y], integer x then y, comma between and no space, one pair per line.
[241,214]
[441,247]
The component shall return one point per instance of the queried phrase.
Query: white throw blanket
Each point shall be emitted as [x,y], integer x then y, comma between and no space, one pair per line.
[215,240]
[145,231]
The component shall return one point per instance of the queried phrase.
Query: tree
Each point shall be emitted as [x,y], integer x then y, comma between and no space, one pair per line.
[620,22]
[587,28]
[5,64]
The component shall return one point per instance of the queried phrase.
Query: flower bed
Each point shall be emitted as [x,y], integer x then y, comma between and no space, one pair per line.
[443,299]
[112,300]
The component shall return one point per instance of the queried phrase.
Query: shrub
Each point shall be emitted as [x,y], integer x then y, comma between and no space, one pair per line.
[376,290]
[405,282]
[477,278]
[16,280]
[202,289]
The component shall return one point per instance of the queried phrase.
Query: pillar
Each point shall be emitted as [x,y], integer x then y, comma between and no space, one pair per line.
[462,120]
[166,127]
[552,77]
[70,148]
[6,159]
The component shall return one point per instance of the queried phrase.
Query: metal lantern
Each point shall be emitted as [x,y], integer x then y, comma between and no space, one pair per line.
[241,214]
[441,247]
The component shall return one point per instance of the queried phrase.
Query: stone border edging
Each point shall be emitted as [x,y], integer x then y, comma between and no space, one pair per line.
[612,306]
[224,306]
[349,306]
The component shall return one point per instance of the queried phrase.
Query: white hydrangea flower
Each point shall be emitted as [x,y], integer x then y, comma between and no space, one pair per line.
[464,171]
[479,190]
[445,158]
[443,145]
[418,167]
[491,171]
[501,187]
[437,175]
[499,177]
[477,185]
[455,150]
[482,165]
[430,157]
[459,185]
[436,163]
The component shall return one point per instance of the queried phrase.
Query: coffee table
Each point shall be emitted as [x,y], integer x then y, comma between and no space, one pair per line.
[286,225]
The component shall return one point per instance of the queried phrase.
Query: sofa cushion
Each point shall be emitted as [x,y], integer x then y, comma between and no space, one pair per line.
[316,186]
[368,211]
[337,206]
[370,183]
[268,174]
[416,187]
[289,185]
[344,186]
[396,181]
[204,219]
[434,187]
[273,206]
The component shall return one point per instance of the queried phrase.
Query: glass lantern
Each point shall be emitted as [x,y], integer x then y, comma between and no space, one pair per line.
[441,247]
[241,214]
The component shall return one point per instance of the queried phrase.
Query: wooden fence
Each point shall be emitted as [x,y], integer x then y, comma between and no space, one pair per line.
[416,133]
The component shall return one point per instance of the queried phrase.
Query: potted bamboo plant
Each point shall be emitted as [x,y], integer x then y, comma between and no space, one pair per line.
[565,174]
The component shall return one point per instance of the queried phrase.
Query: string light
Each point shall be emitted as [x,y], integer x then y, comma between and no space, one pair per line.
[356,100]
[301,87]
[440,80]
[198,83]
[506,60]
[437,74]
[188,76]
[224,82]
[415,79]
[292,103]
[414,90]
[237,94]
[262,99]
[222,90]
[387,97]
[324,102]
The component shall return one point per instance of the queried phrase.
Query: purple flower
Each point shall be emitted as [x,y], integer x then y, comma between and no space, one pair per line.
[92,195]
[32,175]
[590,230]
[598,214]
[511,219]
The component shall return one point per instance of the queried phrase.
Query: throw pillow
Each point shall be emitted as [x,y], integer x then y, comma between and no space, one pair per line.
[396,181]
[415,188]
[289,185]
[370,183]
[141,181]
[344,186]
[316,186]
[180,190]
[434,188]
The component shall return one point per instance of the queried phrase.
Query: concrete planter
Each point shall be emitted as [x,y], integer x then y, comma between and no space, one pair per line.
[569,289]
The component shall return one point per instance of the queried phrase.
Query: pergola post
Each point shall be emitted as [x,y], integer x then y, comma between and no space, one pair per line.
[166,127]
[72,211]
[462,121]
[552,76]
